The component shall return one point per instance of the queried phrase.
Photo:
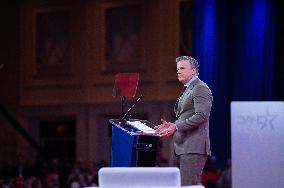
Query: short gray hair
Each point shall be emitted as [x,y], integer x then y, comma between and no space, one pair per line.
[193,62]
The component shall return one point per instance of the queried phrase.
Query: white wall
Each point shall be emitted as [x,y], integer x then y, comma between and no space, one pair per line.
[257,132]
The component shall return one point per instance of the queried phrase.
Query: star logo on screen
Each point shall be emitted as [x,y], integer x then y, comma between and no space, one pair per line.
[266,120]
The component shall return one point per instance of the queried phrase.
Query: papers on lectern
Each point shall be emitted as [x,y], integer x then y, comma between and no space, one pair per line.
[141,126]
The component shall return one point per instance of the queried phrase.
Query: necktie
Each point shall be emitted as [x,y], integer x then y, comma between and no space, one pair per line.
[176,104]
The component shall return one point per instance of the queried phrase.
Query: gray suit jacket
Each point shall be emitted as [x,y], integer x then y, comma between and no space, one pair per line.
[193,111]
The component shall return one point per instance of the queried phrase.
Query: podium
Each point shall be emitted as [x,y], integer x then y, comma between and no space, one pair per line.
[134,143]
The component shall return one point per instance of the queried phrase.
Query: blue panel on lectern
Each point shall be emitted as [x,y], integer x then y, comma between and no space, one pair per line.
[122,148]
[131,147]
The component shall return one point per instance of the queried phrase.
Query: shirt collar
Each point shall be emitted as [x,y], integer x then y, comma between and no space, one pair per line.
[190,81]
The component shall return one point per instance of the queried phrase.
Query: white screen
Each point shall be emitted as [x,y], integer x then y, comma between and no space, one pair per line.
[257,132]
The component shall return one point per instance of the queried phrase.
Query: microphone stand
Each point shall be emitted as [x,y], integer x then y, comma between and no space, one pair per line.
[126,115]
[122,105]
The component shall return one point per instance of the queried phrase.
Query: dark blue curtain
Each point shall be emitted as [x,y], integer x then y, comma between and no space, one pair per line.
[237,44]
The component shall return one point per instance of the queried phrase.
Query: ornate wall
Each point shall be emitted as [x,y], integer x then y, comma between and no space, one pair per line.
[70,52]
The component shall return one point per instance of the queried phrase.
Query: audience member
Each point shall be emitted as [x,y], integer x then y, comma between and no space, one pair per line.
[225,180]
[210,173]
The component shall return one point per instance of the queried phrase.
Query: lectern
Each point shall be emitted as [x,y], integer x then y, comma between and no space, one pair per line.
[134,143]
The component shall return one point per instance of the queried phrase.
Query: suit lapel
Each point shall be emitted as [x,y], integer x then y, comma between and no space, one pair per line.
[184,96]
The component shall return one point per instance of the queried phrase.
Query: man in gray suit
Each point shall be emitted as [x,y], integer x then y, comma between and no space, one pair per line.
[191,129]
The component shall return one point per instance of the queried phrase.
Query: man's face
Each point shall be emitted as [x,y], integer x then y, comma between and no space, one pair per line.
[184,71]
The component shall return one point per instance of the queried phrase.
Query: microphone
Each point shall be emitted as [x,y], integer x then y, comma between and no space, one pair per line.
[128,111]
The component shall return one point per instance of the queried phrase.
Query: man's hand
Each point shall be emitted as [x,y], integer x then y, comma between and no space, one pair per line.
[164,125]
[169,131]
[165,129]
